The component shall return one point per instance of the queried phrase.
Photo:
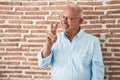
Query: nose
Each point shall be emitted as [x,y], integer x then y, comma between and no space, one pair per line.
[65,20]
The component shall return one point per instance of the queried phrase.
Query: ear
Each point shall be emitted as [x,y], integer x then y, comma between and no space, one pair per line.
[80,21]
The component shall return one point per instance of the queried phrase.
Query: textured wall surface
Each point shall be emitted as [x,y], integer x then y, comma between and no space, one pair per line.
[24,23]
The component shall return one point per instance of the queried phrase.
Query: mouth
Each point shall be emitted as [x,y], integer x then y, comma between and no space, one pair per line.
[65,27]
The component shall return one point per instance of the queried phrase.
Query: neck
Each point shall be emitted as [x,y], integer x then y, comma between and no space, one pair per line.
[72,34]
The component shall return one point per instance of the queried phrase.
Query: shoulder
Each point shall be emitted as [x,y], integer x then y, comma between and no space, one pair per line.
[90,37]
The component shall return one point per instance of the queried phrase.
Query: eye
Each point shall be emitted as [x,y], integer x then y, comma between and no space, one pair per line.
[69,19]
[63,17]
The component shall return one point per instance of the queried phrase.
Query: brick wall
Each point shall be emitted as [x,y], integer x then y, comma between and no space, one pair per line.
[23,25]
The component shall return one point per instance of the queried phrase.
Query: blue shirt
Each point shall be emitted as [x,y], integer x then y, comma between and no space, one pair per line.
[80,59]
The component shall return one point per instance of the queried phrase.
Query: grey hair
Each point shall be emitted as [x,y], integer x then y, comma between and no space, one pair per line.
[76,7]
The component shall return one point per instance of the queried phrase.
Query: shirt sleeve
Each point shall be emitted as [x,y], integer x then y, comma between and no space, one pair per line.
[97,62]
[44,62]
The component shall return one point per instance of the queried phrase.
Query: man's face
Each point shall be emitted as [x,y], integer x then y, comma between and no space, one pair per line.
[69,20]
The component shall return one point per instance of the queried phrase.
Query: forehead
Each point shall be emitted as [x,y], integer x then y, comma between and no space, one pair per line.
[70,12]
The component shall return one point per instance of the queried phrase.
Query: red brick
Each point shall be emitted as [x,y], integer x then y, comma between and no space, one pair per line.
[2,67]
[1,49]
[14,40]
[5,8]
[91,26]
[114,68]
[21,76]
[109,17]
[3,76]
[35,3]
[112,35]
[90,3]
[34,36]
[86,8]
[9,44]
[102,21]
[30,54]
[56,13]
[113,73]
[93,12]
[104,49]
[113,7]
[16,31]
[100,8]
[111,59]
[37,13]
[58,3]
[53,18]
[53,8]
[31,45]
[113,12]
[26,9]
[10,63]
[10,35]
[42,77]
[17,49]
[113,26]
[118,21]
[32,17]
[112,45]
[115,50]
[1,31]
[43,69]
[114,40]
[107,54]
[43,22]
[112,63]
[11,54]
[9,17]
[40,73]
[113,2]
[10,26]
[35,49]
[19,67]
[107,7]
[117,54]
[11,3]
[15,58]
[32,59]
[90,17]
[20,22]
[10,13]
[114,31]
[37,41]
[34,27]
[39,31]
[30,63]
[98,31]
[1,21]
[114,78]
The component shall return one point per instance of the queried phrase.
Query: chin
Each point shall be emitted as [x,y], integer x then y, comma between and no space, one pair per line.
[65,31]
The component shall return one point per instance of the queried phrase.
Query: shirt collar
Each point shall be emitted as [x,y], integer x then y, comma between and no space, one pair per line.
[77,35]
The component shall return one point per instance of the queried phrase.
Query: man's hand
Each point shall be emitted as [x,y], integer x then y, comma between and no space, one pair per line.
[51,38]
[51,35]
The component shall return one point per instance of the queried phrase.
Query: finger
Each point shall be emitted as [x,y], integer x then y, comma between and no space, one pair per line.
[50,34]
[52,38]
[51,25]
[55,27]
